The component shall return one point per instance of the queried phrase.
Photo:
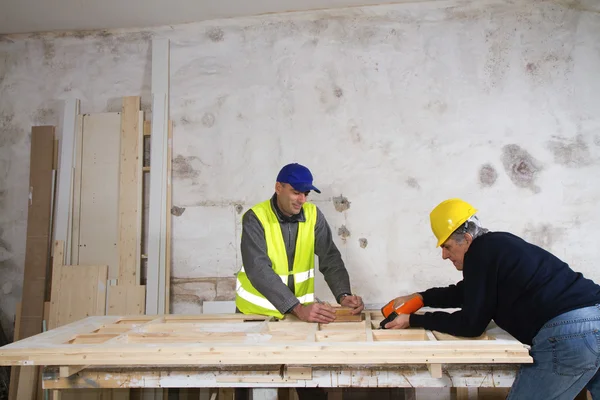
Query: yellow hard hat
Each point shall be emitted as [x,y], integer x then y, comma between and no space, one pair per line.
[447,216]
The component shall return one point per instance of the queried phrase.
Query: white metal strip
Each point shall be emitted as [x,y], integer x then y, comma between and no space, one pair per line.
[156,273]
[64,186]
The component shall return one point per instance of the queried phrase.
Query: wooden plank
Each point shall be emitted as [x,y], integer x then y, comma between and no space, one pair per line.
[99,215]
[57,263]
[126,300]
[156,275]
[38,230]
[73,250]
[64,195]
[36,247]
[68,371]
[169,221]
[130,192]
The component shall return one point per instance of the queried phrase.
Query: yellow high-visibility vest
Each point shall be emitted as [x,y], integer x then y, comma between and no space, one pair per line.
[249,300]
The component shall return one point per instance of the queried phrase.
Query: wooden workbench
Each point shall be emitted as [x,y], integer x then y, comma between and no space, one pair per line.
[235,350]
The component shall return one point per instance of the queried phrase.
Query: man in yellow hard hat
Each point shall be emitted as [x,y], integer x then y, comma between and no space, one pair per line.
[527,291]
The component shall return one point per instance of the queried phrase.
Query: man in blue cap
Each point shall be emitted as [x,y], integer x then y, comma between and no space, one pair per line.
[280,238]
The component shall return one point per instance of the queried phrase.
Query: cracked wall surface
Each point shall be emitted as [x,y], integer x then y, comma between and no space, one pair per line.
[394,108]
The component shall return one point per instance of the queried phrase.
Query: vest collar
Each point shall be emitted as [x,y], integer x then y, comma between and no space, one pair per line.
[283,218]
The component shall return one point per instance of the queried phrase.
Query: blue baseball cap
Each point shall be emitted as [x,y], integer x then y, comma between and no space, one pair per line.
[298,176]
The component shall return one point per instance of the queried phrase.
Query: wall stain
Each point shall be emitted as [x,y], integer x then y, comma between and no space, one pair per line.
[597,140]
[337,91]
[341,203]
[487,175]
[343,232]
[208,120]
[543,235]
[113,43]
[464,13]
[215,34]
[577,5]
[497,62]
[177,211]
[49,51]
[184,121]
[355,134]
[328,97]
[437,106]
[531,68]
[570,152]
[363,242]
[413,183]
[183,169]
[9,132]
[317,27]
[521,167]
[44,116]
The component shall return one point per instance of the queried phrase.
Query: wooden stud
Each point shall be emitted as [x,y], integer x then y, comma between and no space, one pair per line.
[434,369]
[298,373]
[68,371]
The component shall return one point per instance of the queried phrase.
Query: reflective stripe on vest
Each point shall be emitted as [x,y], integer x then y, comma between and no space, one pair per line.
[251,301]
[298,278]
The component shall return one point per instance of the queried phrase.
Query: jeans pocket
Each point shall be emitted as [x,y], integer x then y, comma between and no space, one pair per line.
[574,354]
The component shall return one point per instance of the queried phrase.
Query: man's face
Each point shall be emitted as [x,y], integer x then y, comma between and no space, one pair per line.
[289,200]
[455,251]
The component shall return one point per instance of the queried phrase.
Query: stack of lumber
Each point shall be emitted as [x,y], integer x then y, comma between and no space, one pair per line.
[84,250]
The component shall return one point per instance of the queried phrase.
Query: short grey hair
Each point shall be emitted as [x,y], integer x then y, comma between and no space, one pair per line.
[472,226]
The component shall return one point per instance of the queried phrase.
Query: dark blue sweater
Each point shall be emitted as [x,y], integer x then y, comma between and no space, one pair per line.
[517,284]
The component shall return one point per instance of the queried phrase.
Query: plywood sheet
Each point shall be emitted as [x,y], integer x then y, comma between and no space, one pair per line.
[235,339]
[126,300]
[81,292]
[99,197]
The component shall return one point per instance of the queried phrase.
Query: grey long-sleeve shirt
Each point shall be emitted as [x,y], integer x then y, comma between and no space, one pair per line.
[259,268]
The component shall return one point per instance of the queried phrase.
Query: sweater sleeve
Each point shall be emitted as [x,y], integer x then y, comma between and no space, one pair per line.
[259,268]
[478,305]
[444,297]
[331,264]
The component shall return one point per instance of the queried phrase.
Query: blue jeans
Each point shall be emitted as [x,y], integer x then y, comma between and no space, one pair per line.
[566,356]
